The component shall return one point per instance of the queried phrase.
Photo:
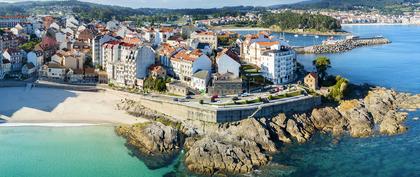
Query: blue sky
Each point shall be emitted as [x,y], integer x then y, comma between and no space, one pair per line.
[184,3]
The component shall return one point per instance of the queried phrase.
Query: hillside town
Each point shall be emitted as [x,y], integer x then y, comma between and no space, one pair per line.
[176,60]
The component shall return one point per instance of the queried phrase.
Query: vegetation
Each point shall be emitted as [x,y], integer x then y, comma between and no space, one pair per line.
[384,6]
[156,84]
[289,21]
[225,41]
[339,90]
[88,62]
[322,64]
[167,122]
[29,46]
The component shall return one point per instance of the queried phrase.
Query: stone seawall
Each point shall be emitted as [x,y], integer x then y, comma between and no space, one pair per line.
[189,111]
[342,46]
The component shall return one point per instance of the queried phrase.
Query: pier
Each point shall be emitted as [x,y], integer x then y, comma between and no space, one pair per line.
[341,45]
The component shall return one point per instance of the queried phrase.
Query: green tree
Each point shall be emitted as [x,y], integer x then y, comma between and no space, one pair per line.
[322,64]
[339,90]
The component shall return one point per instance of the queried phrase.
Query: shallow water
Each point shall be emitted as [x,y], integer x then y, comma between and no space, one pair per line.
[68,152]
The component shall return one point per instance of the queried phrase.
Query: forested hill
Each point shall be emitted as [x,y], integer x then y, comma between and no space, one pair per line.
[348,4]
[106,12]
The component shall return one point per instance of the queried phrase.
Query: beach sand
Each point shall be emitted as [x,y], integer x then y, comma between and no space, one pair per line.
[22,106]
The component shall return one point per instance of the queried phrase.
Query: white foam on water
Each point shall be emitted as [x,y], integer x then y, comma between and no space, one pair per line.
[47,124]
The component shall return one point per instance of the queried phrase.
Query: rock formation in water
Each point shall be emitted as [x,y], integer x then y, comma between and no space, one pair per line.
[156,144]
[150,138]
[240,147]
[230,148]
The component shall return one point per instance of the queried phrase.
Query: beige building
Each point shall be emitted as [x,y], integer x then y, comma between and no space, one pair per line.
[311,80]
[205,37]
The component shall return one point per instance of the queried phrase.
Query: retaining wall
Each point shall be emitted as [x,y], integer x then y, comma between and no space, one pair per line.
[187,111]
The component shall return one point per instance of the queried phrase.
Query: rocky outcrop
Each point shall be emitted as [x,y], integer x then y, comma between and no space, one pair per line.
[154,143]
[379,102]
[134,108]
[230,148]
[150,138]
[240,147]
[329,119]
[359,120]
[408,101]
[211,155]
[392,123]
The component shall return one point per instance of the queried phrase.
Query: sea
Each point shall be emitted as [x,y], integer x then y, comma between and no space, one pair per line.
[95,151]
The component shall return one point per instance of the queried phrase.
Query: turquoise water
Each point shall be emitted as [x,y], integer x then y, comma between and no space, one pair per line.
[98,152]
[68,152]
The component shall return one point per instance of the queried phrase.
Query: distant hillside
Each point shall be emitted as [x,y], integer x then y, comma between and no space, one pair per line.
[348,4]
[106,12]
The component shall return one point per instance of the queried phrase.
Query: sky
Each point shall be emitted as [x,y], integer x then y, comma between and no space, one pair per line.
[175,4]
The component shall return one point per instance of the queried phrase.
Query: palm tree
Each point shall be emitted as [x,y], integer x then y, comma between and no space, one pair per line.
[321,64]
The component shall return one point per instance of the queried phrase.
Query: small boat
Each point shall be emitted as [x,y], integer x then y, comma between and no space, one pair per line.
[296,35]
[304,34]
[317,36]
[415,118]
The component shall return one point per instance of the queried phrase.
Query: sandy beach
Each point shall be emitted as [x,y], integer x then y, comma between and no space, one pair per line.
[44,106]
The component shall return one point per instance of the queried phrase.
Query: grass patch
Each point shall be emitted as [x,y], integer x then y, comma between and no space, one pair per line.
[168,122]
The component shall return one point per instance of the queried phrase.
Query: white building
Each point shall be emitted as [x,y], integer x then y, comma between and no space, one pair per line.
[200,80]
[228,62]
[274,56]
[126,63]
[279,65]
[205,37]
[185,63]
[15,58]
[97,43]
[35,57]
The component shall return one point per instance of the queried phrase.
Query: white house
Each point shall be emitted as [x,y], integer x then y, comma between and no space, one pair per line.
[205,37]
[145,58]
[6,66]
[200,80]
[71,22]
[15,58]
[185,63]
[112,25]
[35,57]
[55,26]
[53,71]
[228,62]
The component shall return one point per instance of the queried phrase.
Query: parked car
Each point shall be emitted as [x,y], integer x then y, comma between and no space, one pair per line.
[245,94]
[215,96]
[175,99]
[274,90]
[235,98]
[188,97]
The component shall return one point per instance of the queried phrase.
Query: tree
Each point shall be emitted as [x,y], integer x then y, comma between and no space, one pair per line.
[322,64]
[339,90]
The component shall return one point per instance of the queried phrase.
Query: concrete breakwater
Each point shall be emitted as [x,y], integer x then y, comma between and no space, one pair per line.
[342,45]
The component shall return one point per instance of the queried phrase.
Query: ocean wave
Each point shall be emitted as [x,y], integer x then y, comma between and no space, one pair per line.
[47,124]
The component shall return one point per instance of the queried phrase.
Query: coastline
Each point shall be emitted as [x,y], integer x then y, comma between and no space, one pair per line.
[60,107]
[227,28]
[379,24]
